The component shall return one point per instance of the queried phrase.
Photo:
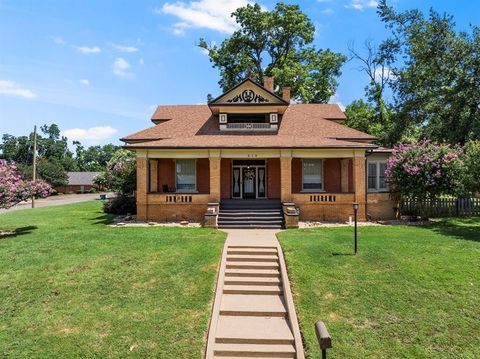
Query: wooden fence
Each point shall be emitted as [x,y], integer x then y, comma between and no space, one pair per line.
[443,207]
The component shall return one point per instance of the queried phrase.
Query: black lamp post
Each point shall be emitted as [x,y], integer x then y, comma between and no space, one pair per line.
[355,210]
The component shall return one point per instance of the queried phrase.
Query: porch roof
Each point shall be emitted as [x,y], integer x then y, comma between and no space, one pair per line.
[301,126]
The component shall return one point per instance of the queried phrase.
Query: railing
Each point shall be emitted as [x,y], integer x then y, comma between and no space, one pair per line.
[177,198]
[250,126]
[323,198]
[442,207]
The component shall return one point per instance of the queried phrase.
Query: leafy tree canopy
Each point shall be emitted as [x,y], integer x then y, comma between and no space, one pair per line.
[277,43]
[437,77]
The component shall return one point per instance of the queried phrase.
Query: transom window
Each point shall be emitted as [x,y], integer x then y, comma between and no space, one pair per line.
[376,179]
[312,174]
[185,170]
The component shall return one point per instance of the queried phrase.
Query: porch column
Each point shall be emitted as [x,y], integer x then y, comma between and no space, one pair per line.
[344,174]
[215,177]
[359,185]
[141,193]
[286,176]
[153,176]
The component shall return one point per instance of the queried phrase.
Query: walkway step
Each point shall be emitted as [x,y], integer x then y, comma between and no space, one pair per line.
[253,252]
[246,272]
[254,330]
[255,350]
[250,258]
[249,226]
[253,305]
[252,265]
[252,289]
[252,281]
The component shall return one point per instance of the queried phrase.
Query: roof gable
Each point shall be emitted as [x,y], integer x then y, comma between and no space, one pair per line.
[248,92]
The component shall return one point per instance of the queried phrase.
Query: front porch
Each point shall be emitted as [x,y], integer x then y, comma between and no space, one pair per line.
[180,185]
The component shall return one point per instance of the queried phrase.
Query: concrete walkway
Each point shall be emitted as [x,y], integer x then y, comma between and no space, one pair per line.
[253,313]
[57,201]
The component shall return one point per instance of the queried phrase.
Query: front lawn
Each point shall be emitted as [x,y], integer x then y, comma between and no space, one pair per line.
[412,292]
[71,287]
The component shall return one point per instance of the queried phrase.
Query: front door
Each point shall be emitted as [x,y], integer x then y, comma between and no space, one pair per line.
[249,176]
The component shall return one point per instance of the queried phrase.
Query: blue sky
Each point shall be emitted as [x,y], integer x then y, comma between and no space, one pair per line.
[99,68]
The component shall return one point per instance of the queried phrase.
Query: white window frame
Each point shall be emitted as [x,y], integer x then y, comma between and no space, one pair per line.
[377,177]
[176,179]
[322,176]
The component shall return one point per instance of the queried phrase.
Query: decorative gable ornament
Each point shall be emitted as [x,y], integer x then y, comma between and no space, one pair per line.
[248,96]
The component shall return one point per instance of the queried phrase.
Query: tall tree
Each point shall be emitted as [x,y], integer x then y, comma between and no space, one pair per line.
[277,43]
[376,115]
[438,79]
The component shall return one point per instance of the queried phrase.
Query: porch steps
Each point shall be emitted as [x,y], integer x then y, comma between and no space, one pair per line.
[250,214]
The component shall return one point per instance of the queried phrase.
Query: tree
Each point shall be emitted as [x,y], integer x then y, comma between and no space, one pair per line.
[120,174]
[14,188]
[94,158]
[471,168]
[424,169]
[376,64]
[277,43]
[438,76]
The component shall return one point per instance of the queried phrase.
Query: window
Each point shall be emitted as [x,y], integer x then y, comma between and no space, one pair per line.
[312,175]
[376,179]
[186,175]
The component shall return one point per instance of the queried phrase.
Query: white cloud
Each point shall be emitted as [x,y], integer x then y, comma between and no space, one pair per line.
[123,48]
[387,73]
[328,11]
[88,50]
[209,14]
[335,99]
[58,40]
[361,4]
[10,88]
[121,67]
[141,61]
[92,134]
[85,82]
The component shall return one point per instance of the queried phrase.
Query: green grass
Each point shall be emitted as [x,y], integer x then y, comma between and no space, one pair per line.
[412,292]
[71,287]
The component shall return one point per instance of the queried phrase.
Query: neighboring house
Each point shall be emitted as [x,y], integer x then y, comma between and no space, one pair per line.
[78,182]
[250,145]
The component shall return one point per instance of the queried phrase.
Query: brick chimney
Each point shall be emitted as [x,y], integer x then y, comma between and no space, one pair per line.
[268,83]
[286,94]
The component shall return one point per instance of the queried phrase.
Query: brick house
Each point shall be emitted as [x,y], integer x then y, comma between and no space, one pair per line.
[251,151]
[78,182]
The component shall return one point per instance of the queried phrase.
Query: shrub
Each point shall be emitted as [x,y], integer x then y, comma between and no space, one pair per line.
[14,188]
[120,205]
[120,175]
[424,169]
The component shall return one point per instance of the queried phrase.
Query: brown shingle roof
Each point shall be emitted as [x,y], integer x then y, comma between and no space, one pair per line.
[301,126]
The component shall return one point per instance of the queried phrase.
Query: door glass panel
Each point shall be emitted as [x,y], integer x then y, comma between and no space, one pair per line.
[249,183]
[261,182]
[236,182]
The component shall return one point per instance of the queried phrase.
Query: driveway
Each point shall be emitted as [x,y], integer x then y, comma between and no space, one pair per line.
[57,200]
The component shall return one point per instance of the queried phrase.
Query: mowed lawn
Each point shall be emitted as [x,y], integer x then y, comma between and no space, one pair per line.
[72,287]
[412,292]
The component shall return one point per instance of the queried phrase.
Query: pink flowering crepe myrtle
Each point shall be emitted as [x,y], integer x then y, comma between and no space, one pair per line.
[424,169]
[14,188]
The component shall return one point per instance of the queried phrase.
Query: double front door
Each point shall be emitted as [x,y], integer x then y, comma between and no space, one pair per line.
[248,182]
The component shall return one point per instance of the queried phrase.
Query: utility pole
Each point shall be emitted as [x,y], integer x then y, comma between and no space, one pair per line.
[34,176]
